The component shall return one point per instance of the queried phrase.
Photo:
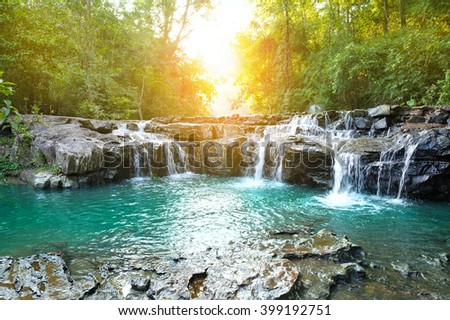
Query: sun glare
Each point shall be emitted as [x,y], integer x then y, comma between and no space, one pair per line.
[210,41]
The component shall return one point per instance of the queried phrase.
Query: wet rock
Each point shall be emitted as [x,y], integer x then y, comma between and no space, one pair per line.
[438,116]
[319,276]
[363,123]
[406,271]
[308,163]
[242,271]
[140,284]
[324,245]
[416,119]
[381,124]
[380,111]
[41,277]
[41,180]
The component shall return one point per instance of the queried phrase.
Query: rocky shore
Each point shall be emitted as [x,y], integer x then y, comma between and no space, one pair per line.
[289,264]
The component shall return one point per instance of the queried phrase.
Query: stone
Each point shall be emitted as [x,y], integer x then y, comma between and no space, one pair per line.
[363,123]
[76,156]
[401,110]
[55,182]
[380,111]
[438,116]
[416,119]
[41,277]
[445,108]
[381,124]
[406,271]
[140,284]
[42,180]
[360,113]
[69,182]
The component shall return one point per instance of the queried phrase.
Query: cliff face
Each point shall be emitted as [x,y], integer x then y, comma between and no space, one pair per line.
[387,150]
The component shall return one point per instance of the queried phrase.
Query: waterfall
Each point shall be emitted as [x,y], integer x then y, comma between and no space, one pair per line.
[270,146]
[144,145]
[259,168]
[399,154]
[348,173]
[407,160]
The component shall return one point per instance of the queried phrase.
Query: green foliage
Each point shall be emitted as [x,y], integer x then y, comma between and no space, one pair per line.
[7,166]
[6,141]
[112,64]
[6,90]
[55,169]
[345,54]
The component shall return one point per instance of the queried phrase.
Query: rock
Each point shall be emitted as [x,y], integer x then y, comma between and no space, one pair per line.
[140,284]
[380,111]
[76,156]
[319,276]
[55,182]
[381,124]
[416,119]
[102,127]
[324,245]
[445,108]
[42,180]
[307,163]
[420,126]
[438,116]
[401,110]
[242,271]
[41,277]
[69,182]
[360,113]
[363,123]
[406,271]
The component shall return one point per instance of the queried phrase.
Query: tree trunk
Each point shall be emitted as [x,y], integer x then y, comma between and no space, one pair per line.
[402,8]
[386,16]
[287,46]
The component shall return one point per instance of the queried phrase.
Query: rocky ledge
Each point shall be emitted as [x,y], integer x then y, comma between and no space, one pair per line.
[289,264]
[397,150]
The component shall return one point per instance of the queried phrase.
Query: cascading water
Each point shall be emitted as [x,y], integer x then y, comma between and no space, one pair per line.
[408,155]
[270,146]
[399,154]
[145,144]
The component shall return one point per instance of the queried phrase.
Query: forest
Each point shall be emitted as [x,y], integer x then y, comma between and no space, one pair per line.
[125,60]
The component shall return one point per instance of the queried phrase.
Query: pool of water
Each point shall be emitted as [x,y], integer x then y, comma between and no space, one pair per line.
[185,213]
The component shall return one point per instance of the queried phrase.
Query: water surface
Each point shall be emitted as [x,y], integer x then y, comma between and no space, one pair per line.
[185,213]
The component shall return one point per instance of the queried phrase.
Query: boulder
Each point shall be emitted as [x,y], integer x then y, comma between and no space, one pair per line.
[363,123]
[79,156]
[401,110]
[381,124]
[308,163]
[360,113]
[42,180]
[380,111]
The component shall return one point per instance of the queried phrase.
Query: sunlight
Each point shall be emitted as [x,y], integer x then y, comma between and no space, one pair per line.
[210,41]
